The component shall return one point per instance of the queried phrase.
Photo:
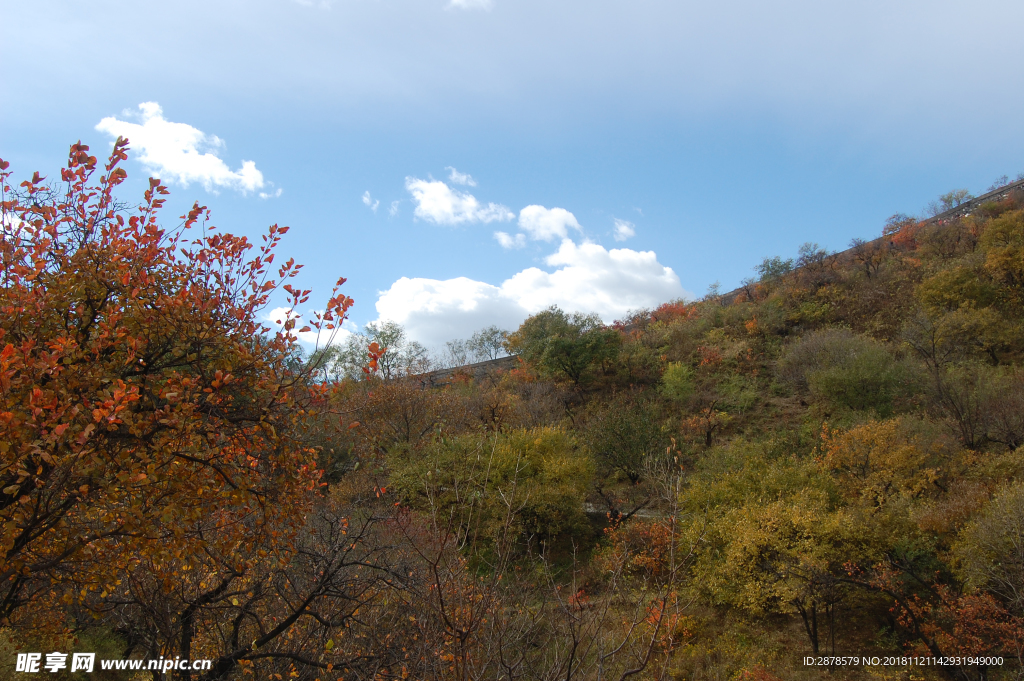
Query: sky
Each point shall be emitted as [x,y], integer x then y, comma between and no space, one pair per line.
[465,163]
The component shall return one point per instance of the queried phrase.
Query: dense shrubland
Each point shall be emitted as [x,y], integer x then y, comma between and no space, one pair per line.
[825,462]
[829,454]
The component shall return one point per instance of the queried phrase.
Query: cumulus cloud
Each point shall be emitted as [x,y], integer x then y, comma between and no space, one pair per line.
[590,278]
[180,153]
[586,278]
[369,202]
[624,229]
[470,4]
[438,203]
[434,311]
[393,210]
[545,224]
[508,241]
[279,315]
[460,178]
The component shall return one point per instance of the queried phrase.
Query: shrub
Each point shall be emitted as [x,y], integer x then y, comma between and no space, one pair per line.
[527,484]
[565,345]
[677,382]
[846,371]
[950,289]
[990,550]
[624,434]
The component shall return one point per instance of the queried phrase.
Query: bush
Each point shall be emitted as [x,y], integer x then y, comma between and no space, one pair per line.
[141,396]
[624,434]
[565,345]
[677,382]
[846,371]
[990,550]
[948,290]
[527,484]
[1003,242]
[983,403]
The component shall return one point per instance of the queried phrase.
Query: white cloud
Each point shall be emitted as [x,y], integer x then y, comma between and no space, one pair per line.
[544,224]
[393,210]
[180,153]
[369,202]
[460,178]
[13,227]
[434,311]
[624,229]
[470,4]
[279,315]
[508,241]
[593,279]
[438,203]
[588,278]
[271,195]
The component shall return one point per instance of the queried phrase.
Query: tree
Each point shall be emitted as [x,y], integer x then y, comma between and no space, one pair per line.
[901,230]
[949,201]
[488,343]
[999,183]
[816,264]
[951,289]
[626,440]
[142,403]
[565,345]
[869,254]
[456,354]
[396,355]
[531,483]
[786,556]
[263,601]
[776,539]
[943,621]
[623,434]
[881,462]
[402,356]
[1004,259]
[990,549]
[772,269]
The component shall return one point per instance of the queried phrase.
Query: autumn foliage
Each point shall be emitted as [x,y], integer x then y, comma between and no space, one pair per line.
[825,462]
[143,407]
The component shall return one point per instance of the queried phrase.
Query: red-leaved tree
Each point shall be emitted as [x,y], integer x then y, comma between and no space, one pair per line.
[146,414]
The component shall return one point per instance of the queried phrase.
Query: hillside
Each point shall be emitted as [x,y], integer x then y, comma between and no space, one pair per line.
[815,476]
[822,462]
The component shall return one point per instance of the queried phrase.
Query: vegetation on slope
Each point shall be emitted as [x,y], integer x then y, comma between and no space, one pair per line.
[825,463]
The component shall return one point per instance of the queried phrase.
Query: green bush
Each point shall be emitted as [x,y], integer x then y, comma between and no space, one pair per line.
[842,370]
[526,484]
[677,382]
[563,345]
[948,290]
[624,434]
[990,549]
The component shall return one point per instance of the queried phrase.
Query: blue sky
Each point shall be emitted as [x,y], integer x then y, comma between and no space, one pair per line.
[680,142]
